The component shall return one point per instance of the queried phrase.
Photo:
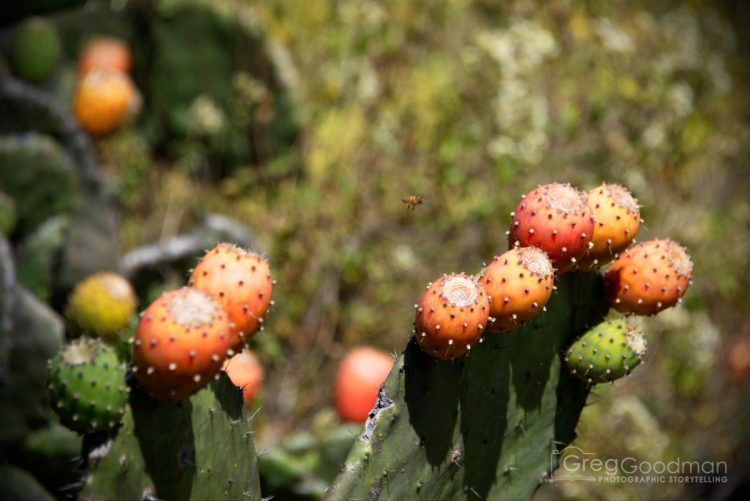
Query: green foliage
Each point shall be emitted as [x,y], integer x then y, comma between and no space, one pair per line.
[200,448]
[480,427]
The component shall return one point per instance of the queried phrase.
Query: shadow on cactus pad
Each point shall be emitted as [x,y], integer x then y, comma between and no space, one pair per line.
[483,426]
[199,448]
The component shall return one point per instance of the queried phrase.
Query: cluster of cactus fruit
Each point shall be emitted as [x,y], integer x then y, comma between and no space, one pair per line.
[181,342]
[557,229]
[186,336]
[488,383]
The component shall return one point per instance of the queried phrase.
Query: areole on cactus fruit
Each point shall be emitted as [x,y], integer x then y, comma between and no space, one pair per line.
[102,304]
[648,277]
[607,352]
[451,316]
[87,386]
[180,344]
[617,218]
[519,284]
[554,217]
[241,282]
[360,374]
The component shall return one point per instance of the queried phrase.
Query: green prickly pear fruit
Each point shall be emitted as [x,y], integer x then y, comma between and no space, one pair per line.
[607,352]
[87,385]
[35,50]
[102,305]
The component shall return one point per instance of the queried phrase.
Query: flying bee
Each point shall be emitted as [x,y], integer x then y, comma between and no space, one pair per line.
[412,201]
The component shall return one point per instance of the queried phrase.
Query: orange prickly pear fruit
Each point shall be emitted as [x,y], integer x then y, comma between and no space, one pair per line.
[105,53]
[451,316]
[519,283]
[180,344]
[649,277]
[104,100]
[241,282]
[246,373]
[617,218]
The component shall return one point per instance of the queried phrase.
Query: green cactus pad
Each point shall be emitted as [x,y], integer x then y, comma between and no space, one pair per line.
[482,427]
[200,448]
[38,174]
[607,352]
[30,333]
[87,384]
[35,50]
[39,254]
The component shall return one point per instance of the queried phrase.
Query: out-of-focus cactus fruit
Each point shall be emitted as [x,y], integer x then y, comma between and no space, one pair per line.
[359,377]
[104,53]
[246,373]
[35,50]
[104,100]
[102,305]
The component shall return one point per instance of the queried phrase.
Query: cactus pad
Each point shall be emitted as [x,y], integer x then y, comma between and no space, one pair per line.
[481,427]
[87,384]
[200,448]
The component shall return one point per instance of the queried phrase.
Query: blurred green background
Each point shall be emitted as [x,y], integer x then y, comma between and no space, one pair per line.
[309,121]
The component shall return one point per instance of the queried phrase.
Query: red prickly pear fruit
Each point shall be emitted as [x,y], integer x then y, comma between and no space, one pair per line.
[241,282]
[451,316]
[617,218]
[181,342]
[556,218]
[246,373]
[519,284]
[649,277]
[360,375]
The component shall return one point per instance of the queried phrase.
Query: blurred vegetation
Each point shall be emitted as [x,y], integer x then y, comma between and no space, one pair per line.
[310,121]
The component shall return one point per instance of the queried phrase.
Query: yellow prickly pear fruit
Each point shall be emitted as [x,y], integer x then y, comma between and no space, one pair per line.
[102,305]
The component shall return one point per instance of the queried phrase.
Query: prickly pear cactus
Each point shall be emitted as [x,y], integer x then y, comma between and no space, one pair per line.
[37,255]
[91,243]
[199,448]
[483,426]
[38,174]
[30,333]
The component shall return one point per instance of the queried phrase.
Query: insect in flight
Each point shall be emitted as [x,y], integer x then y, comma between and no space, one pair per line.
[412,201]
